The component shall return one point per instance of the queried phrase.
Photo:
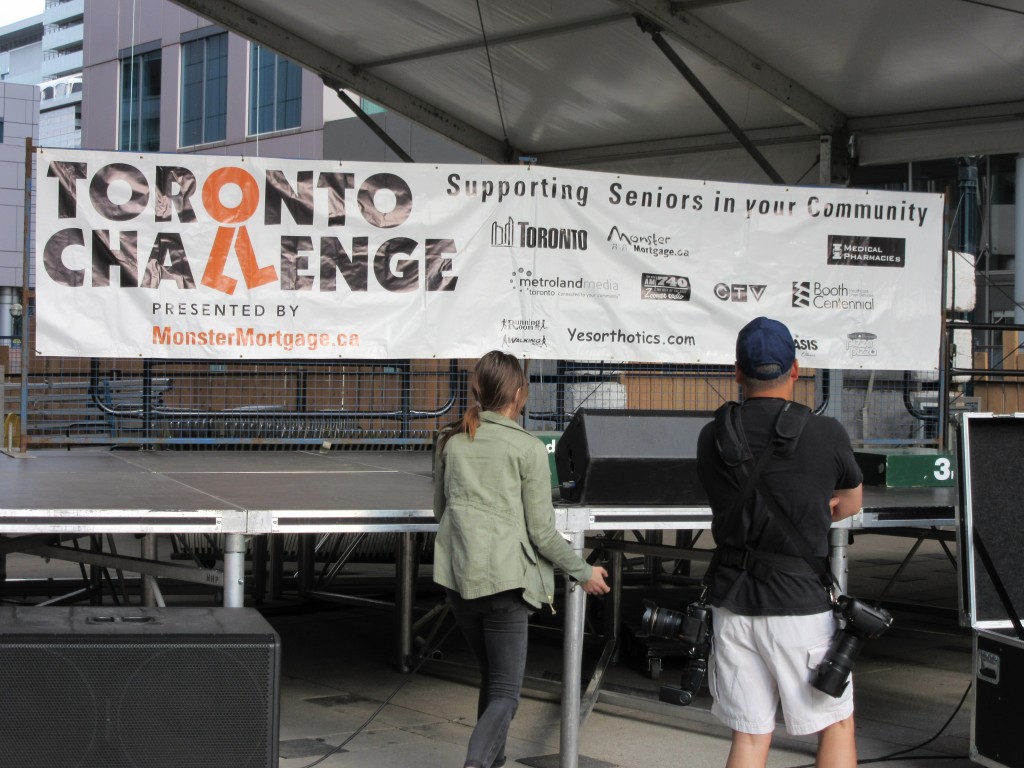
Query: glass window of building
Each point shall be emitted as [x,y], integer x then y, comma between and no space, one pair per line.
[204,90]
[140,102]
[275,92]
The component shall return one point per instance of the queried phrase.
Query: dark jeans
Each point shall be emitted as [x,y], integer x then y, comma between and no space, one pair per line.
[495,627]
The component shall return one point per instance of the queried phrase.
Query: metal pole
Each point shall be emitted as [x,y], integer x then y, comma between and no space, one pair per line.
[572,665]
[839,556]
[734,128]
[379,132]
[1018,277]
[613,603]
[148,552]
[404,598]
[234,570]
[25,316]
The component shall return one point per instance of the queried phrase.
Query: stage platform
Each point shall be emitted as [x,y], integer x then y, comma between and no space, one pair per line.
[238,494]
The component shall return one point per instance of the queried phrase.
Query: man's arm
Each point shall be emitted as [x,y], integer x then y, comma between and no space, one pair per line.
[846,502]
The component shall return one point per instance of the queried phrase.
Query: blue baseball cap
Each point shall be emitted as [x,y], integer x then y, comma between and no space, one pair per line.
[764,349]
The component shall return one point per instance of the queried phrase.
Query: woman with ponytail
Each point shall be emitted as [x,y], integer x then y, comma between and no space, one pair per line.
[497,545]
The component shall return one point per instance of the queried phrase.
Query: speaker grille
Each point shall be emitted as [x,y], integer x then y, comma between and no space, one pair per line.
[141,702]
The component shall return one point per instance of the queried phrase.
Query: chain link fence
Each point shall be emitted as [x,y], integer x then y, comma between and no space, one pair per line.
[375,404]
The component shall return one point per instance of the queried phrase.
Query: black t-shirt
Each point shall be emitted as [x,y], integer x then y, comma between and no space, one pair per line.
[802,483]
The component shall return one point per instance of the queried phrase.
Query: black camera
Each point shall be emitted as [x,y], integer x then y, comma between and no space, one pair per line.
[689,683]
[692,627]
[863,622]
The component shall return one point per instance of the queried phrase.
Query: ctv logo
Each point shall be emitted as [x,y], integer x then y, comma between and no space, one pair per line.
[739,291]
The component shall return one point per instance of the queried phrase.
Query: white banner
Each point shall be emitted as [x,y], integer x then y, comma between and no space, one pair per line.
[204,257]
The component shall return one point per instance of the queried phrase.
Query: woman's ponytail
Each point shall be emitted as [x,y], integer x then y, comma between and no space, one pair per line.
[497,380]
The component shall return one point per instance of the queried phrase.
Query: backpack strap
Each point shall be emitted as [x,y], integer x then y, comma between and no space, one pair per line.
[731,442]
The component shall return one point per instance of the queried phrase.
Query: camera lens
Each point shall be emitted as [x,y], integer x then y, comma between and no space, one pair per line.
[834,670]
[661,622]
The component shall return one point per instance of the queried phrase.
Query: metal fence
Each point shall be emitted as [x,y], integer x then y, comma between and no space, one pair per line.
[399,403]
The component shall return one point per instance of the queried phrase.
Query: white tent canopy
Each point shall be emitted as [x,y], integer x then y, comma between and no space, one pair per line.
[579,83]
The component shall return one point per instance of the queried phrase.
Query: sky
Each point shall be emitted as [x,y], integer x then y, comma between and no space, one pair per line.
[16,10]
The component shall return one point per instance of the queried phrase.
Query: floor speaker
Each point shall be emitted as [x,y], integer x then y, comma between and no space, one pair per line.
[621,457]
[93,687]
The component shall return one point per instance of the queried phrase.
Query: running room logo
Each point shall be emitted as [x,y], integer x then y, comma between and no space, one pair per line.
[664,287]
[524,235]
[861,344]
[739,291]
[846,251]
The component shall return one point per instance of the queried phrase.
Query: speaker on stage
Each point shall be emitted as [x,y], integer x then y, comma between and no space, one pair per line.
[95,687]
[621,457]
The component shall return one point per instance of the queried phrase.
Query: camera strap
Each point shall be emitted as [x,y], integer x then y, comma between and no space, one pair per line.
[732,445]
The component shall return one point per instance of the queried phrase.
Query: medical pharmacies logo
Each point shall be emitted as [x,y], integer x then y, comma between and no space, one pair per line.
[664,287]
[153,204]
[866,251]
[523,234]
[836,296]
[739,291]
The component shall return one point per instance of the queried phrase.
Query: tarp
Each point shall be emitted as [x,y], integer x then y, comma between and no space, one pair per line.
[211,257]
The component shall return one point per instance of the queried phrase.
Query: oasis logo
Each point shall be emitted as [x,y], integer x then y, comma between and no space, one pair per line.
[805,345]
[175,208]
[866,251]
[739,291]
[525,235]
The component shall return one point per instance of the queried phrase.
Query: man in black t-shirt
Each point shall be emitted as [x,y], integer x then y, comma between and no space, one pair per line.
[772,617]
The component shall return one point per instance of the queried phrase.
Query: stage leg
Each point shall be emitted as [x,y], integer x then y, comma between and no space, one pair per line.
[572,665]
[839,557]
[234,570]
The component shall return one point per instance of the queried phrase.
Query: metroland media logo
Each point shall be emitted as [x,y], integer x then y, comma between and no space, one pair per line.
[846,251]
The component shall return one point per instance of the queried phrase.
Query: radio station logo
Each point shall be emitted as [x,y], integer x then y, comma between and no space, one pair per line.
[523,234]
[832,296]
[861,344]
[739,291]
[845,251]
[664,287]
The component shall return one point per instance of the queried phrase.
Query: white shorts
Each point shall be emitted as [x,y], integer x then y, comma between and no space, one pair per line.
[758,661]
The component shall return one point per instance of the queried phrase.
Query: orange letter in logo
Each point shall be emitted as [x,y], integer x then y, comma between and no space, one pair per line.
[252,273]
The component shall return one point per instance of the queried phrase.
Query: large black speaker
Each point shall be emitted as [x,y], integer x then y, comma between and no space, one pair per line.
[92,687]
[621,457]
[991,488]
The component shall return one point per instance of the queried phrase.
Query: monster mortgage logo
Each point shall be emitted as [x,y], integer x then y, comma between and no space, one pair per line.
[171,219]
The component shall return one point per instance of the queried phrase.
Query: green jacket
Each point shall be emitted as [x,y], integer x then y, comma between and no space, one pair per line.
[492,497]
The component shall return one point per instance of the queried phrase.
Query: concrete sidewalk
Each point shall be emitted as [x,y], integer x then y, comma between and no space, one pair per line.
[338,670]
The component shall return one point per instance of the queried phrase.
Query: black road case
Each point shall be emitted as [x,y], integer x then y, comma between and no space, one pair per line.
[991,449]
